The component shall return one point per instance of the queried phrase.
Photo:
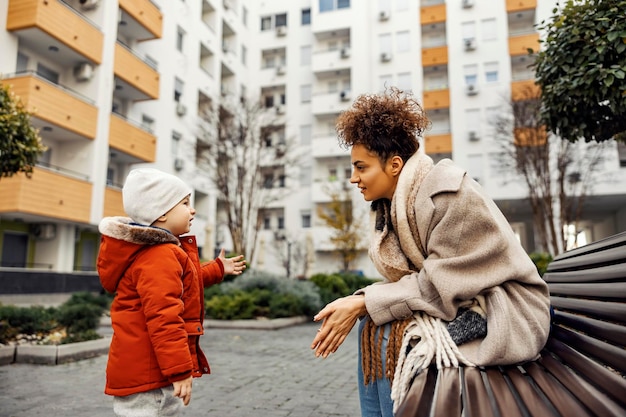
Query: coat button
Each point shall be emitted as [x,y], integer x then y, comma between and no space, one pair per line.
[190,240]
[205,369]
[199,329]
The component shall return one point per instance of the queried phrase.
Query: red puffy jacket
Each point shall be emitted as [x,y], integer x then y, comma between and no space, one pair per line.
[158,310]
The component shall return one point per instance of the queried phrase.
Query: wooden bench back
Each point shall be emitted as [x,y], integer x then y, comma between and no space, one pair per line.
[588,335]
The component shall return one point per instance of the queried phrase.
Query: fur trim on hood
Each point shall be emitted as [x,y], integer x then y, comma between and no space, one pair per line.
[123,228]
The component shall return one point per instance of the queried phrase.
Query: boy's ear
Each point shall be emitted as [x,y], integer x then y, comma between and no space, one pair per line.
[161,219]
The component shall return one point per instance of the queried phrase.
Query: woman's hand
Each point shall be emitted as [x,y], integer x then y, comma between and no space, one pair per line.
[339,318]
[232,266]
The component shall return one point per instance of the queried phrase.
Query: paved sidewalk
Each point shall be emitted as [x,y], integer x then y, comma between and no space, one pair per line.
[266,373]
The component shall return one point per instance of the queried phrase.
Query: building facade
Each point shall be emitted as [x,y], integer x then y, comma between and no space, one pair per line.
[119,84]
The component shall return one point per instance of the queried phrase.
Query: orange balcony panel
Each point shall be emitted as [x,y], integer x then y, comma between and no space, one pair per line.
[146,13]
[433,14]
[50,103]
[437,99]
[58,21]
[435,56]
[136,72]
[113,204]
[524,90]
[519,5]
[438,144]
[518,45]
[530,136]
[131,140]
[47,194]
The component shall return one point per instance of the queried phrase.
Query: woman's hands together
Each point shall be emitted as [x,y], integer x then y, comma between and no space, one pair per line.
[338,319]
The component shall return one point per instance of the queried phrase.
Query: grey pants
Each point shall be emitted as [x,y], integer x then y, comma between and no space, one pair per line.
[156,403]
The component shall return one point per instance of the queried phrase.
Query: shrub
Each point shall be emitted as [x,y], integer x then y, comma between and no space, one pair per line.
[333,286]
[25,320]
[541,260]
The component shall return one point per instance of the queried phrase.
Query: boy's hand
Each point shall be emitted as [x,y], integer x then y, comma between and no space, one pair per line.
[182,389]
[232,266]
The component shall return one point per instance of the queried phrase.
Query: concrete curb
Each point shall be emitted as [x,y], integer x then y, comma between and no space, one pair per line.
[54,354]
[258,324]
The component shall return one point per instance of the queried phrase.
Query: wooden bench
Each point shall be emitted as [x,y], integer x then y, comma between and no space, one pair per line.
[582,369]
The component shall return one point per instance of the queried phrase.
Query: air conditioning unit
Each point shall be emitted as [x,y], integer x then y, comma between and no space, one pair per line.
[89,4]
[467,3]
[43,231]
[471,89]
[225,48]
[83,72]
[181,109]
[281,30]
[385,56]
[281,148]
[280,70]
[470,44]
[345,95]
[226,4]
[383,15]
[179,164]
[280,109]
[472,135]
[345,52]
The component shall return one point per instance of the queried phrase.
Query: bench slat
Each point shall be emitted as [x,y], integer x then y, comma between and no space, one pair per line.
[602,330]
[507,405]
[475,397]
[590,249]
[448,400]
[531,399]
[557,394]
[605,310]
[595,401]
[610,355]
[419,398]
[602,273]
[613,290]
[604,379]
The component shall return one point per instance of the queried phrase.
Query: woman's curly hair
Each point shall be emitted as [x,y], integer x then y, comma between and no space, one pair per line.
[386,124]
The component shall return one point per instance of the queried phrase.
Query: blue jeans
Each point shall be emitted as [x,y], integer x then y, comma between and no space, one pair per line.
[375,397]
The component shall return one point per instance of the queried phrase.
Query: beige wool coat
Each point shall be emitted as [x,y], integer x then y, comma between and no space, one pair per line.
[447,244]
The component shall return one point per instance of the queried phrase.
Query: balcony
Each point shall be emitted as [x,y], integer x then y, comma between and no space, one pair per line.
[113,204]
[433,14]
[140,20]
[437,99]
[519,5]
[331,60]
[524,90]
[52,104]
[328,103]
[518,45]
[131,140]
[434,144]
[530,136]
[44,24]
[435,56]
[327,146]
[48,194]
[135,79]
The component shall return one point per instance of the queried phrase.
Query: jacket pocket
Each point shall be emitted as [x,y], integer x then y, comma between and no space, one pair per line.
[194,328]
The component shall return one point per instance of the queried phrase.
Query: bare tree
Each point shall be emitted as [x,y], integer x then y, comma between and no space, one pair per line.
[247,153]
[558,174]
[346,227]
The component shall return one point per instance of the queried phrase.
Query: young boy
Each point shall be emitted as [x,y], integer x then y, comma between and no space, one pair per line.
[158,310]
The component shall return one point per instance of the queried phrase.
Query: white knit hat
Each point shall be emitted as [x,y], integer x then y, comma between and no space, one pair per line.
[149,193]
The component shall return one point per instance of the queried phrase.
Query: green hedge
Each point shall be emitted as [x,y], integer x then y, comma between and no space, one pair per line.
[79,316]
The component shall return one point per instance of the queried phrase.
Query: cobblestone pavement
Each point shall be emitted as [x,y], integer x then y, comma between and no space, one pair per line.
[260,373]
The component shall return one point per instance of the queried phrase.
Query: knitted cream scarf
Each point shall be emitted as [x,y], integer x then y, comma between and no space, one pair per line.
[397,251]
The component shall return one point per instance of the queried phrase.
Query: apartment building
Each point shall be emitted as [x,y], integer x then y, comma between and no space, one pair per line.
[120,84]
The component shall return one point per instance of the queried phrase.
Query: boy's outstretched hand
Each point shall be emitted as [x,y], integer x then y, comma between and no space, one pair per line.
[182,389]
[232,266]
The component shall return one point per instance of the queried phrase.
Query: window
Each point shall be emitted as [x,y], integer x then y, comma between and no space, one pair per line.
[306,175]
[269,101]
[178,89]
[385,81]
[47,73]
[468,29]
[147,123]
[403,41]
[266,23]
[244,16]
[22,62]
[404,81]
[281,181]
[305,220]
[281,222]
[489,29]
[470,73]
[268,179]
[244,55]
[329,5]
[332,86]
[281,20]
[267,223]
[180,37]
[491,72]
[472,120]
[402,5]
[305,134]
[305,55]
[176,137]
[306,17]
[384,41]
[305,93]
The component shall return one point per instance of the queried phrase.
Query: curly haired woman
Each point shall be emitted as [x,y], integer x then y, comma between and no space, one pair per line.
[458,288]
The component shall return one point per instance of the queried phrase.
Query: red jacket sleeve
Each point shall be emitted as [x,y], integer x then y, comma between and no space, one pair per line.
[212,272]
